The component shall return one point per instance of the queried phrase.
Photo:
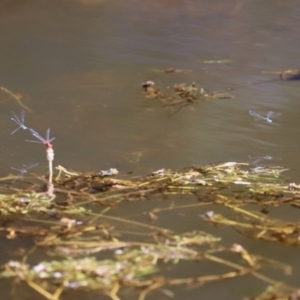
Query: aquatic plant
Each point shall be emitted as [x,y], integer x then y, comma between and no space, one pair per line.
[78,223]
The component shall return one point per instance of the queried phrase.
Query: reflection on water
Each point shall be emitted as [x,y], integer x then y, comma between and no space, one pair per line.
[82,63]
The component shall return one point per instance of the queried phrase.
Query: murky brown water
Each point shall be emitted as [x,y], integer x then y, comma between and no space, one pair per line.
[80,64]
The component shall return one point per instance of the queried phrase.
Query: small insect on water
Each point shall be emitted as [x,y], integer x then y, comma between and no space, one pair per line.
[23,171]
[259,159]
[268,119]
[46,141]
[19,121]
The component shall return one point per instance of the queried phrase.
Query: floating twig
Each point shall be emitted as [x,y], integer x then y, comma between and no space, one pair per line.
[17,97]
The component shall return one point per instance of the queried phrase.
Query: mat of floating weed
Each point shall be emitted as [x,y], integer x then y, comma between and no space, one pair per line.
[88,244]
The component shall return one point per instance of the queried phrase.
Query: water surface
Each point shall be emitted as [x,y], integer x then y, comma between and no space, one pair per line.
[80,65]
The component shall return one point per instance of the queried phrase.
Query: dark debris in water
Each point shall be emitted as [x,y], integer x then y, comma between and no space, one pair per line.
[290,75]
[171,71]
[181,95]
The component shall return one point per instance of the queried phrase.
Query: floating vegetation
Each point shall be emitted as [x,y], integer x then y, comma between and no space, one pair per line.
[129,269]
[259,226]
[171,71]
[16,97]
[78,223]
[276,292]
[218,61]
[24,203]
[182,95]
